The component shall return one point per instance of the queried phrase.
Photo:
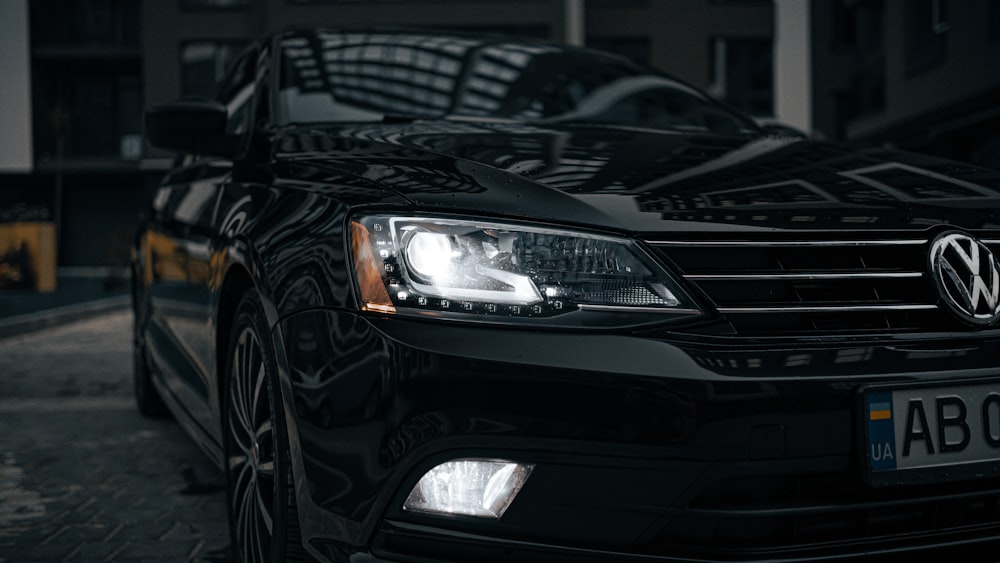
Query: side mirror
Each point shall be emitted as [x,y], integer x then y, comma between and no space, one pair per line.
[195,126]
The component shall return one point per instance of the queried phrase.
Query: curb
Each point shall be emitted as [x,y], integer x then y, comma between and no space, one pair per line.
[30,322]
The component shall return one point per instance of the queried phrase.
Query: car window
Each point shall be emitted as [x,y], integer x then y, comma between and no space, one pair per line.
[340,76]
[236,93]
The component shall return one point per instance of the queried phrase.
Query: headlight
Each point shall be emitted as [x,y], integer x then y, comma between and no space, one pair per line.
[457,267]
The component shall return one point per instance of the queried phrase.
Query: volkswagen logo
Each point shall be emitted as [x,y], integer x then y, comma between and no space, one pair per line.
[967,277]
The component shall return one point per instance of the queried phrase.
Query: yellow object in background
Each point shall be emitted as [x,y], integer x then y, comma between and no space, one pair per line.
[28,255]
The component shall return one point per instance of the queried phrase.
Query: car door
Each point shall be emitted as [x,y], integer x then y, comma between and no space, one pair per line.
[181,241]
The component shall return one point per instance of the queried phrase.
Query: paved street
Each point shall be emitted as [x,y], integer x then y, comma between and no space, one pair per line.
[83,477]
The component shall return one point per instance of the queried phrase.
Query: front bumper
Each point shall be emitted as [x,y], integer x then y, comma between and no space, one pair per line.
[645,449]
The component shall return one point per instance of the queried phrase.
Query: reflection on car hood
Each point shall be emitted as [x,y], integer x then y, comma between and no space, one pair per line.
[642,180]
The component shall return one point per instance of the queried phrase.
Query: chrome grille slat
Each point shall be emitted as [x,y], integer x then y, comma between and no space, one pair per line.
[790,243]
[806,276]
[772,286]
[829,308]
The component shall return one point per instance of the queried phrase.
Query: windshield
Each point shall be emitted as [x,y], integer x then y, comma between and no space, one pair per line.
[343,76]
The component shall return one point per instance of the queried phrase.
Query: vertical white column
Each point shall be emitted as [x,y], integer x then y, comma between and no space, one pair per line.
[573,20]
[793,63]
[15,88]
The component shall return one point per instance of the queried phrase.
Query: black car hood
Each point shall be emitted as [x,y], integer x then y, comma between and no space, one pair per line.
[640,180]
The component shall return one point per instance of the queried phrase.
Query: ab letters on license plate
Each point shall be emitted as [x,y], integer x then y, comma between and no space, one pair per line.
[932,426]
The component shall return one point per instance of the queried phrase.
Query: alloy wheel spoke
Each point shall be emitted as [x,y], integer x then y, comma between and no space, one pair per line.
[244,523]
[236,460]
[260,407]
[242,483]
[265,438]
[264,430]
[241,363]
[237,394]
[258,532]
[240,433]
[266,469]
[265,511]
[247,381]
[251,528]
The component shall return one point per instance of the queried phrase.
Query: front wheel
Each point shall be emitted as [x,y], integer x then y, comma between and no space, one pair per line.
[259,489]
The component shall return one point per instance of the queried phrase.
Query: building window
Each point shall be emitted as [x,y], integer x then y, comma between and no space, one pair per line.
[857,25]
[742,73]
[868,89]
[89,22]
[926,34]
[858,31]
[204,64]
[93,110]
[86,79]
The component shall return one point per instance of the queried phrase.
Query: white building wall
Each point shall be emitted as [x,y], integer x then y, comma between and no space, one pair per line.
[793,63]
[15,87]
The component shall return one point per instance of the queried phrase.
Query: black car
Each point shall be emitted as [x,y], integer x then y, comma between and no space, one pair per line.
[440,297]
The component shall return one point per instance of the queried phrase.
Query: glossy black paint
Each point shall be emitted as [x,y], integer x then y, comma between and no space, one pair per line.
[646,181]
[638,436]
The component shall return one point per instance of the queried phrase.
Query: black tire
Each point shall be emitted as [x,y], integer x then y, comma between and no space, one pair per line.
[260,499]
[147,398]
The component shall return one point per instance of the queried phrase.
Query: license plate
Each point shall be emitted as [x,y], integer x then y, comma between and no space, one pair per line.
[939,430]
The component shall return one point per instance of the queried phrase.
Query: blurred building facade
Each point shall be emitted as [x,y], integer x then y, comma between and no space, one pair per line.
[921,75]
[80,168]
[909,72]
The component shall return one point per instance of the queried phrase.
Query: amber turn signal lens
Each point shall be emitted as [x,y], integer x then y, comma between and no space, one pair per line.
[374,296]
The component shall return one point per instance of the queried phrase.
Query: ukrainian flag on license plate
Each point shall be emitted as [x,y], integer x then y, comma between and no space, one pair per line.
[881,433]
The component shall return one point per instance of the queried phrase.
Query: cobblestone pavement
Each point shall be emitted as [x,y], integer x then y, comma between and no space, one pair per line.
[84,477]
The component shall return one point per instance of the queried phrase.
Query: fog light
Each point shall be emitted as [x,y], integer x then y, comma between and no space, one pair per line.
[469,487]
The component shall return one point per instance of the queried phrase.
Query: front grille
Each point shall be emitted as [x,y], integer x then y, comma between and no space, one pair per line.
[798,513]
[835,285]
